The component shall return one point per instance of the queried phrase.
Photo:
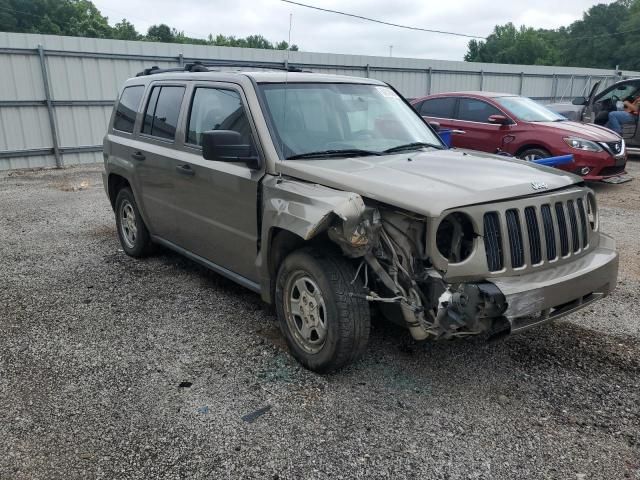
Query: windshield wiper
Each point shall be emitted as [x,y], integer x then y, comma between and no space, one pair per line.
[347,152]
[411,146]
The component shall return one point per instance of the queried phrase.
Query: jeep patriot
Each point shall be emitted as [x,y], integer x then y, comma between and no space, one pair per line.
[330,196]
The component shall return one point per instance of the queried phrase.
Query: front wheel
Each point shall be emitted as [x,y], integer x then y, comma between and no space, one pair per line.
[322,310]
[532,154]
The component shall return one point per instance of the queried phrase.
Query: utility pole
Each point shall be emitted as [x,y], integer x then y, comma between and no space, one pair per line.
[391,50]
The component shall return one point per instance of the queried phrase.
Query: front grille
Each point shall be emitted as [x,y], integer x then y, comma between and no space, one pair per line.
[534,234]
[562,229]
[615,170]
[575,236]
[493,241]
[583,222]
[549,232]
[552,230]
[515,238]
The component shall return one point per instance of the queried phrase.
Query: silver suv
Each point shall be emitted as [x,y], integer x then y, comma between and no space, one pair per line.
[331,196]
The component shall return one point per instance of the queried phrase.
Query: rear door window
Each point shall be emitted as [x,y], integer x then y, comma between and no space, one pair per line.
[473,110]
[128,108]
[217,109]
[163,110]
[442,107]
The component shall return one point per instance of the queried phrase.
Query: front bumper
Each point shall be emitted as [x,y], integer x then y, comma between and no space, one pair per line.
[539,297]
[601,165]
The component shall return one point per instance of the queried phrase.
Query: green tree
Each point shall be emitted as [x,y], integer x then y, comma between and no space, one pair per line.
[81,18]
[629,57]
[59,17]
[160,33]
[125,31]
[508,44]
[607,35]
[595,40]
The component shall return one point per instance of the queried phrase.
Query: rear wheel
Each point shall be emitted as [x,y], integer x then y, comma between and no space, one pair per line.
[532,154]
[321,310]
[132,232]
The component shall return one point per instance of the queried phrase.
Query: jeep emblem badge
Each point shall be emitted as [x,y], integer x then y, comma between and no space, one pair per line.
[539,185]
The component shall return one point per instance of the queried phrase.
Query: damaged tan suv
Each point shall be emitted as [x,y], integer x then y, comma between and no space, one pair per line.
[330,196]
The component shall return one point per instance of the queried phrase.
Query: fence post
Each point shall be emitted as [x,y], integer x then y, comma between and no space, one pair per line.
[481,80]
[521,83]
[52,117]
[367,70]
[429,80]
[181,60]
[571,89]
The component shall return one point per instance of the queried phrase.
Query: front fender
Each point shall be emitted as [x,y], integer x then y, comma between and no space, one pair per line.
[303,209]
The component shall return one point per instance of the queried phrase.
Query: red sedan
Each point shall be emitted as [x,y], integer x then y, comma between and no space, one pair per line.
[495,122]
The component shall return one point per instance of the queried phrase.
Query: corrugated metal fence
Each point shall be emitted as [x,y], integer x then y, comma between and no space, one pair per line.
[56,93]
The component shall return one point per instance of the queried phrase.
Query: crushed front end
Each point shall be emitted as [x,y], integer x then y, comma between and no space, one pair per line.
[491,268]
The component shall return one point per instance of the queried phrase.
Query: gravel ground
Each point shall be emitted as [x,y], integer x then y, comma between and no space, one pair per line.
[114,368]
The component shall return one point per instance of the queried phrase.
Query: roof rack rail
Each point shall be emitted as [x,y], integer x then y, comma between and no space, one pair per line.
[223,63]
[199,66]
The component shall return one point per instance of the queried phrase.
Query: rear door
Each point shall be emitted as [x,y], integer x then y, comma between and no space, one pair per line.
[155,153]
[472,116]
[216,202]
[441,110]
[121,140]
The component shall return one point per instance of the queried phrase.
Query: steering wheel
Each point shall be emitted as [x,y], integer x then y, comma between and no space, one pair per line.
[613,101]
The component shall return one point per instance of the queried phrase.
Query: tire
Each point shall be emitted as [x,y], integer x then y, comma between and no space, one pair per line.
[342,318]
[132,232]
[533,154]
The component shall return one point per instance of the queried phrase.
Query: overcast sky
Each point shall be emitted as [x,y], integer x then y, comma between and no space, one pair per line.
[317,31]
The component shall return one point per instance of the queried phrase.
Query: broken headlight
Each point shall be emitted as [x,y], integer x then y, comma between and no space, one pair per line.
[455,237]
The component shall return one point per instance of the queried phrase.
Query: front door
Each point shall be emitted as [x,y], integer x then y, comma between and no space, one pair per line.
[473,118]
[216,203]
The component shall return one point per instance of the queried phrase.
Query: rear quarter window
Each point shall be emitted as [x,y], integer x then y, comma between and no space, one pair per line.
[127,108]
[438,107]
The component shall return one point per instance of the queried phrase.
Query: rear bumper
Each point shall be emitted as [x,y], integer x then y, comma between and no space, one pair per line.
[539,297]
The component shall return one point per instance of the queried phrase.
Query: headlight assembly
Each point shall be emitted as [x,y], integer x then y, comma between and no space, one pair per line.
[582,144]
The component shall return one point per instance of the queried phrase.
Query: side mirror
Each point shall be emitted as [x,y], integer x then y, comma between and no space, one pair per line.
[499,120]
[579,101]
[227,146]
[434,125]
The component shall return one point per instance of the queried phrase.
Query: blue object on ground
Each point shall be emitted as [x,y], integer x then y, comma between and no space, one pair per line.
[554,161]
[445,136]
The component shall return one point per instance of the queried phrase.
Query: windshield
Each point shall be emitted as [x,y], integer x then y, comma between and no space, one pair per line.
[529,110]
[362,120]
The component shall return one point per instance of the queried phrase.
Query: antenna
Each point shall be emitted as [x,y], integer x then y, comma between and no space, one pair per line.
[286,83]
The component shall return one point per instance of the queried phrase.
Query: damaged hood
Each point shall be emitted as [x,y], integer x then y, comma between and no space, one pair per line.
[430,182]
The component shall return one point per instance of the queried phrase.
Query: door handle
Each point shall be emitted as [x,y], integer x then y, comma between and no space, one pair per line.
[185,170]
[138,156]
